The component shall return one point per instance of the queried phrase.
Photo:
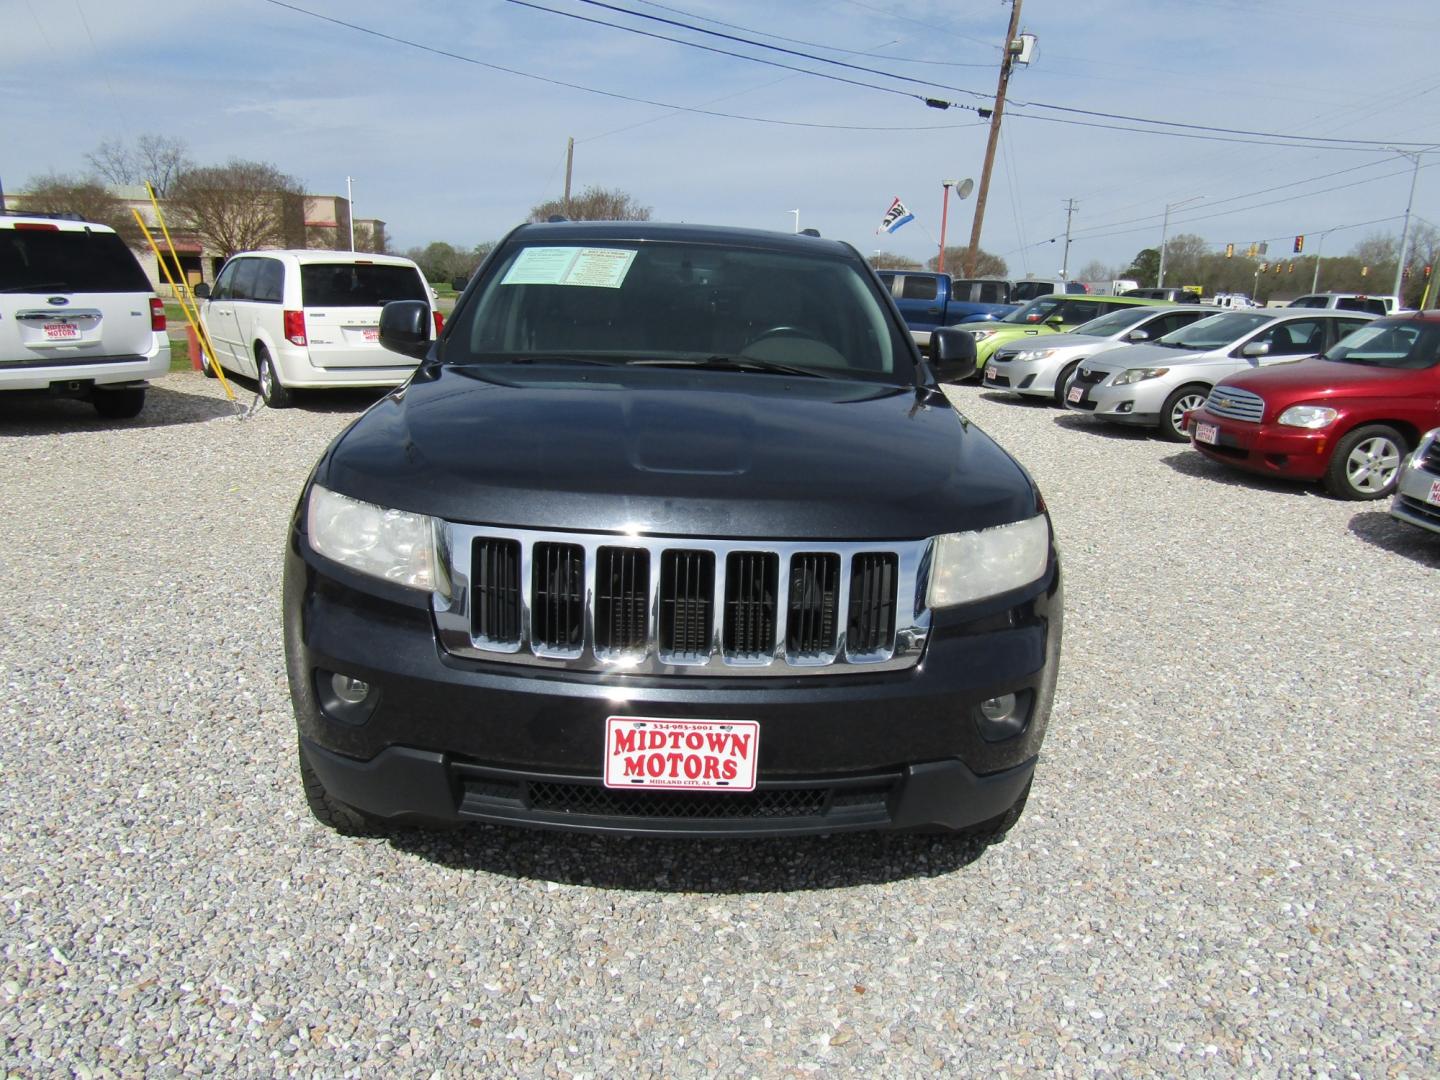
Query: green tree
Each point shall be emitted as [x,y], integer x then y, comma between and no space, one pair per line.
[440,261]
[240,206]
[1144,268]
[84,195]
[593,204]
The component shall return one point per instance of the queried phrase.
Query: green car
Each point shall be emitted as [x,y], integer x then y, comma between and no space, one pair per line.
[1054,314]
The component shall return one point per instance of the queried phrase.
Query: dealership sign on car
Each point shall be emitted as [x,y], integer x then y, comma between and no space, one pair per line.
[691,755]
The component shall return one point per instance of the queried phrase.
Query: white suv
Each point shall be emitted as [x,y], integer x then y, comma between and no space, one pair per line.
[78,317]
[309,319]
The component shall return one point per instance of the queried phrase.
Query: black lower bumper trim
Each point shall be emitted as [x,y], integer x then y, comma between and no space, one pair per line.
[402,783]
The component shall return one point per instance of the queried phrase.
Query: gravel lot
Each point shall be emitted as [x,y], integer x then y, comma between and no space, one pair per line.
[1228,865]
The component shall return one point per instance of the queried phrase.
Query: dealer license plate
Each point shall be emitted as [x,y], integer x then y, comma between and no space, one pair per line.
[680,755]
[1207,433]
[991,374]
[58,331]
[1434,497]
[1077,393]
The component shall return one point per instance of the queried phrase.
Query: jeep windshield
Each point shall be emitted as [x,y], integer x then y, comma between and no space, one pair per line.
[1404,345]
[1215,332]
[692,304]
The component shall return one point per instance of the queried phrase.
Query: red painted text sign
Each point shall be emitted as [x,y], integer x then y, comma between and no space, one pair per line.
[682,755]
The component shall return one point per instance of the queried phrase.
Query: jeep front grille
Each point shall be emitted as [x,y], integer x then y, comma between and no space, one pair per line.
[653,605]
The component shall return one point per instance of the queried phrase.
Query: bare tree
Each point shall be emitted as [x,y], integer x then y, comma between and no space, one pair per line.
[1095,270]
[888,260]
[83,195]
[240,206]
[159,159]
[593,204]
[986,264]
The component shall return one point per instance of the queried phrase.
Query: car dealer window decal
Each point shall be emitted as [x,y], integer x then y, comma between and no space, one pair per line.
[604,268]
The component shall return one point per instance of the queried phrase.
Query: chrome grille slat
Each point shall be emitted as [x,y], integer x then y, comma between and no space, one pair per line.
[658,605]
[1236,404]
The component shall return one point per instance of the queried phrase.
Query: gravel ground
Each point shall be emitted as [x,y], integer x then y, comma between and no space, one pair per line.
[1228,864]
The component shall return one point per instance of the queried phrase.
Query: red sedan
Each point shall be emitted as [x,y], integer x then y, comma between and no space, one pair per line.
[1347,417]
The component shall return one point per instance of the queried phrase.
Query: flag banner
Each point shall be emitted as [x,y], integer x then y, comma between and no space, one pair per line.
[896,216]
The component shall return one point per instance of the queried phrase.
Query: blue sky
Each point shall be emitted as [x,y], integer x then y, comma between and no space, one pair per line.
[451,149]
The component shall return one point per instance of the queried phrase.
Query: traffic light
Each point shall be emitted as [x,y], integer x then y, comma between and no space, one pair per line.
[1290,269]
[1427,271]
[1264,267]
[1229,251]
[1364,271]
[1299,243]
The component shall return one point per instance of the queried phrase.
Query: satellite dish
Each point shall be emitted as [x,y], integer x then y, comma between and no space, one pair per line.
[964,188]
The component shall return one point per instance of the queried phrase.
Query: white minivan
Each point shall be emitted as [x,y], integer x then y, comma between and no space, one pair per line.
[78,317]
[309,320]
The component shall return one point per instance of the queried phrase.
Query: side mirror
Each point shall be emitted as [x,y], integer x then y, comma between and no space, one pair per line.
[405,328]
[1256,348]
[952,353]
[201,291]
[1055,320]
[1138,335]
[459,283]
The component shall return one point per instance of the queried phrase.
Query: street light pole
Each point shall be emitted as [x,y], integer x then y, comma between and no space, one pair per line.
[944,216]
[350,208]
[1165,228]
[797,218]
[1413,155]
[1319,247]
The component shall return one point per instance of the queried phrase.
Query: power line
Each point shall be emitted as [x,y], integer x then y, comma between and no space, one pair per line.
[614,95]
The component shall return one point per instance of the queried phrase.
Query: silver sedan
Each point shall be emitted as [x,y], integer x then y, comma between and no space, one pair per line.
[1040,367]
[1417,492]
[1155,385]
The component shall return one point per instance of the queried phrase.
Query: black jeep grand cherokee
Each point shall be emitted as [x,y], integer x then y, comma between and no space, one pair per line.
[672,532]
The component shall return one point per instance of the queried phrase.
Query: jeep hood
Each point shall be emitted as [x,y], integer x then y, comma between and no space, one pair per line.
[677,451]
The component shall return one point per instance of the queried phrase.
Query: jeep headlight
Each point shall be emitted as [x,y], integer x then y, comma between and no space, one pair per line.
[1032,354]
[394,545]
[1139,374]
[969,566]
[1308,416]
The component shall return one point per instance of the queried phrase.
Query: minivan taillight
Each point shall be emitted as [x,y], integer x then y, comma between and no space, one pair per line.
[157,314]
[439,322]
[295,327]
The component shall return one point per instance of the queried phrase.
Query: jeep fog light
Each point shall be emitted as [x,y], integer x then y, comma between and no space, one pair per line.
[968,566]
[1002,717]
[390,544]
[350,690]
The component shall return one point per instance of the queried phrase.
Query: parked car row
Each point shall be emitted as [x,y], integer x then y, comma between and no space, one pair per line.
[1326,393]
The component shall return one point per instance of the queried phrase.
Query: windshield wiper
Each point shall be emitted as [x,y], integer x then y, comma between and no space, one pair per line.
[551,358]
[727,362]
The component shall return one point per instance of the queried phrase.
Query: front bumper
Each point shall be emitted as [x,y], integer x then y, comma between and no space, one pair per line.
[1268,449]
[1417,498]
[452,739]
[1134,403]
[1029,377]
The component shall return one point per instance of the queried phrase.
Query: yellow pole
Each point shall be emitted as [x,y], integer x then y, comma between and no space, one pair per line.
[184,307]
[183,289]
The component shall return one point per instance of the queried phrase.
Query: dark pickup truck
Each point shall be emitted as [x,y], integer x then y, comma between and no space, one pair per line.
[672,532]
[927,300]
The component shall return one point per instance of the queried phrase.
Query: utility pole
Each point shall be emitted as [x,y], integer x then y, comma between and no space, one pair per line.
[1007,61]
[1065,261]
[1165,228]
[1319,247]
[1413,155]
[569,165]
